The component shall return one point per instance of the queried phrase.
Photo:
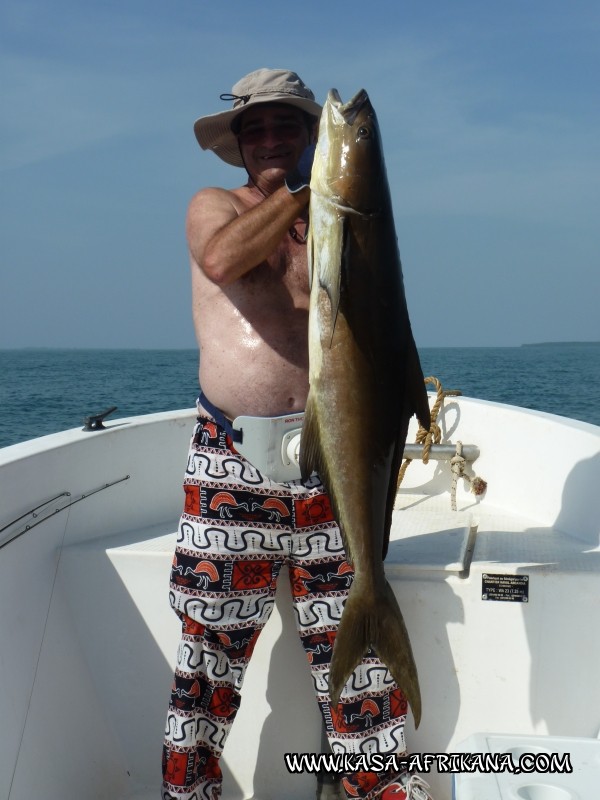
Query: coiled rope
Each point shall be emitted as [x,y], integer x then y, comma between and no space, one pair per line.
[434,436]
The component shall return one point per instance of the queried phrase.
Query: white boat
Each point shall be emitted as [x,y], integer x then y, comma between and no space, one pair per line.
[501,598]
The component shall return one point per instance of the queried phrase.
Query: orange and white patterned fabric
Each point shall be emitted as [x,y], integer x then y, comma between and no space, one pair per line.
[237,530]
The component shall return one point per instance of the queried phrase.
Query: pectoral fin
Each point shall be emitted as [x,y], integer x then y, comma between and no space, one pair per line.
[329,261]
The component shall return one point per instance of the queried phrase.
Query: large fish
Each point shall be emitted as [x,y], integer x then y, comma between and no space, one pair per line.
[365,378]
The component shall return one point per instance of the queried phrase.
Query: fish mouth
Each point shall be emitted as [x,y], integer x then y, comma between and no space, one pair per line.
[346,112]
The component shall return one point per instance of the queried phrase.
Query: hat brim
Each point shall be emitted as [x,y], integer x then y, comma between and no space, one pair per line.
[213,132]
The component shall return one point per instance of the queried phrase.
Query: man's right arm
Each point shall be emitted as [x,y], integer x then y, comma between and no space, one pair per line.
[227,242]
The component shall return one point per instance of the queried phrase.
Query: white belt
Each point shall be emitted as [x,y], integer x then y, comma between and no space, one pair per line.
[272,444]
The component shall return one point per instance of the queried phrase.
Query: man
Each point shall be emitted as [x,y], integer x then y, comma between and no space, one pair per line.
[242,521]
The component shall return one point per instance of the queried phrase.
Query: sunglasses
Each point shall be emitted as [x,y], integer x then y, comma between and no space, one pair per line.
[286,131]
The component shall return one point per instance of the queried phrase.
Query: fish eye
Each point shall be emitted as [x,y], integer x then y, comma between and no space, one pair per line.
[363,132]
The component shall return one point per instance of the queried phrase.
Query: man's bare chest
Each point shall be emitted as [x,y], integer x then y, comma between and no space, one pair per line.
[285,271]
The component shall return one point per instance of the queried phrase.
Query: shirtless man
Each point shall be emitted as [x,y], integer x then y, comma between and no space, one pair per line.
[250,305]
[249,274]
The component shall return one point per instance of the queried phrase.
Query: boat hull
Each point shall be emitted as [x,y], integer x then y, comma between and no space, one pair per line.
[89,640]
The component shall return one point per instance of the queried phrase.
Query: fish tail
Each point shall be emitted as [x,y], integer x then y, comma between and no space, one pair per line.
[379,625]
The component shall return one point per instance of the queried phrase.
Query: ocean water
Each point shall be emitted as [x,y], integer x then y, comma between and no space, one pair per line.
[46,390]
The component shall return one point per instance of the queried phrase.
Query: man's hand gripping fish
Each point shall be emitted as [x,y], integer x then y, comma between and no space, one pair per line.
[365,378]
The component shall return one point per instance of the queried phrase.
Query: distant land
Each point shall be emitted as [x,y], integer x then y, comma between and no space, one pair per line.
[557,344]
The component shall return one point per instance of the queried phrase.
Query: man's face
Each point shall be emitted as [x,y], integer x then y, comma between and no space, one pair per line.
[272,138]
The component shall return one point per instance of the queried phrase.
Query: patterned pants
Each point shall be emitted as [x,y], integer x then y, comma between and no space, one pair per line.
[237,530]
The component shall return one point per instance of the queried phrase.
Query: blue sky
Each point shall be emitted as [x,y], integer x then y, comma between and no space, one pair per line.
[490,117]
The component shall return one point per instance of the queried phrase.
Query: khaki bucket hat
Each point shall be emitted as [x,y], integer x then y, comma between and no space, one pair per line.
[214,132]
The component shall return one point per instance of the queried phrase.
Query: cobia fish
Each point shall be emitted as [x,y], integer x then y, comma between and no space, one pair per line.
[365,378]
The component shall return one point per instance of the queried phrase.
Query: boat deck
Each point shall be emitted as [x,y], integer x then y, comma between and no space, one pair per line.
[500,600]
[437,562]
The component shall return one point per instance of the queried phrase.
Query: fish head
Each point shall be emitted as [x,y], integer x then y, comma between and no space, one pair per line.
[349,167]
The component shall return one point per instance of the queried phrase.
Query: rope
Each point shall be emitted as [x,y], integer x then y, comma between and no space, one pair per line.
[457,466]
[434,436]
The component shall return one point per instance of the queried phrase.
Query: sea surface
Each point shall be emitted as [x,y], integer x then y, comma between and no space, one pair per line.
[46,390]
